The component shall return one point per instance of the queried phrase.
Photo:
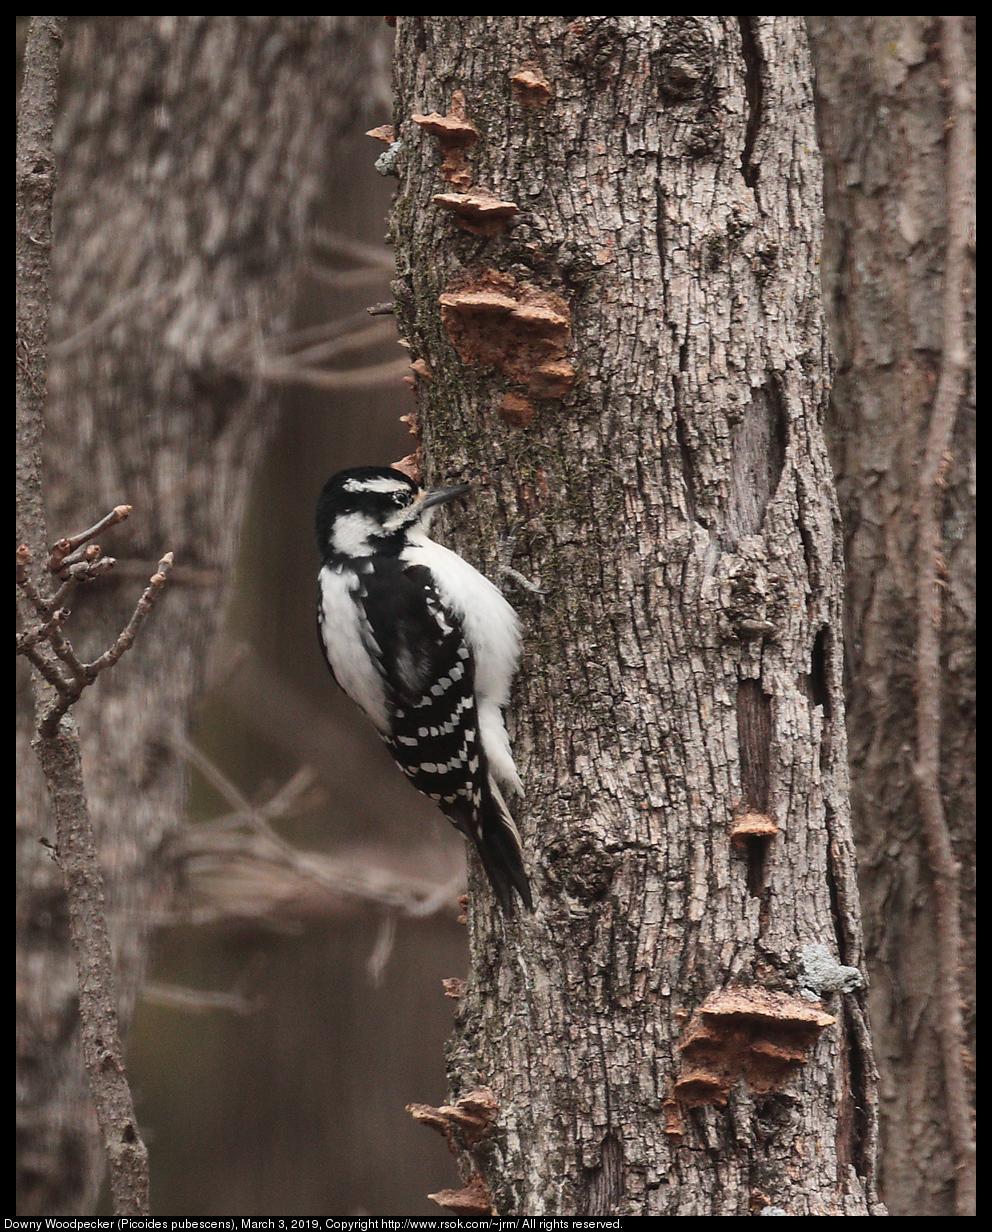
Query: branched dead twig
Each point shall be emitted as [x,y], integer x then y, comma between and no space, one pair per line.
[293,359]
[70,679]
[65,551]
[377,256]
[346,378]
[950,388]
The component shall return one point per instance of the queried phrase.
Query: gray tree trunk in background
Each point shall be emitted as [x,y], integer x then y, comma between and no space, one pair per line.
[608,235]
[885,112]
[192,149]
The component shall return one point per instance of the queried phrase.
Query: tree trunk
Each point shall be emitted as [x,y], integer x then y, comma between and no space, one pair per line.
[608,233]
[193,148]
[885,112]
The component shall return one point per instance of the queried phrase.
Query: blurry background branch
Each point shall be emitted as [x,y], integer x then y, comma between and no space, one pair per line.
[238,866]
[895,114]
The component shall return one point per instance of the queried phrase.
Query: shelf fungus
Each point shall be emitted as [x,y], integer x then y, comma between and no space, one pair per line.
[464,1123]
[474,1199]
[455,132]
[522,331]
[412,465]
[478,210]
[516,410]
[750,826]
[750,1033]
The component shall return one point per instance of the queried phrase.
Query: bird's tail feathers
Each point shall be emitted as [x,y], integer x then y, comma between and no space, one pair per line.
[498,844]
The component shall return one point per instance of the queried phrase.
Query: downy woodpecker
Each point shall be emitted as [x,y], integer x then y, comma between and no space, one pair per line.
[427,647]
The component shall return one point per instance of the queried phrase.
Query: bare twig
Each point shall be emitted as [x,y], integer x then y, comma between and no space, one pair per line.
[347,279]
[196,1000]
[126,638]
[249,874]
[45,666]
[63,551]
[257,873]
[382,950]
[42,632]
[311,334]
[179,575]
[355,339]
[950,388]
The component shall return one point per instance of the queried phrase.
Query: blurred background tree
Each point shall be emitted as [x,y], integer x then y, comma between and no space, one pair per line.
[895,113]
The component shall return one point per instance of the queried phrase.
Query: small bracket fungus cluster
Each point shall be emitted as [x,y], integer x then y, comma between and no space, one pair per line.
[514,327]
[476,209]
[455,132]
[750,1033]
[492,319]
[463,1125]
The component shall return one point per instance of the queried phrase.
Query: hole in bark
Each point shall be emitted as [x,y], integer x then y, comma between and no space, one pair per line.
[819,693]
[753,91]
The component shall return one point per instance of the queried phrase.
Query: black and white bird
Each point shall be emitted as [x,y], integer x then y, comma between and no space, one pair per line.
[427,647]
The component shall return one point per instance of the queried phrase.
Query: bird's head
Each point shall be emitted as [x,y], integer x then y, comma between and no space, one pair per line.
[372,509]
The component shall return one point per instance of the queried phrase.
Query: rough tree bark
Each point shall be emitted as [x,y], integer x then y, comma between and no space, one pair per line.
[192,148]
[887,102]
[608,234]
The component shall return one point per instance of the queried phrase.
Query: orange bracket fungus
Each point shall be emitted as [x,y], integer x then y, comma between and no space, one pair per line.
[530,86]
[750,1033]
[749,826]
[455,133]
[474,1199]
[478,210]
[521,331]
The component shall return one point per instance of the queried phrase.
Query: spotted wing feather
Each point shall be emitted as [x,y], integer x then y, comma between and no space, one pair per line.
[428,674]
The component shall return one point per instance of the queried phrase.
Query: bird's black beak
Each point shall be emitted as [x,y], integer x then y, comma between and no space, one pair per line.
[440,495]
